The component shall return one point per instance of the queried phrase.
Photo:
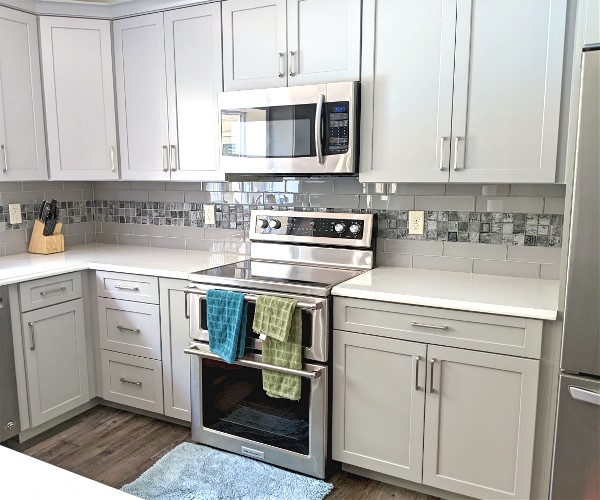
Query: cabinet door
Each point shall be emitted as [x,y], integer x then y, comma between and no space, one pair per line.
[194,78]
[142,97]
[323,41]
[254,44]
[407,81]
[55,360]
[175,329]
[22,139]
[479,423]
[509,64]
[79,97]
[378,403]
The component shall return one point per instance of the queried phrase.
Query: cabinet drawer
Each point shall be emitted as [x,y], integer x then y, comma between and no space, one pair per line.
[132,381]
[479,332]
[49,291]
[129,327]
[127,286]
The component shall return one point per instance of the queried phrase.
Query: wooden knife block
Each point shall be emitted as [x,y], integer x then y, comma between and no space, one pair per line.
[46,244]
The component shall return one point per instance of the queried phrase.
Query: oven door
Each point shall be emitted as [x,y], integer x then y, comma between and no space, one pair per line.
[232,412]
[315,320]
[297,130]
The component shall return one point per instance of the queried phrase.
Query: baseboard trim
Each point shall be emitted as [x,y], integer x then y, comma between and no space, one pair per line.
[145,413]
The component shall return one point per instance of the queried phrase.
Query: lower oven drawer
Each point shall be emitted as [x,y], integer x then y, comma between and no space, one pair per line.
[231,411]
[132,381]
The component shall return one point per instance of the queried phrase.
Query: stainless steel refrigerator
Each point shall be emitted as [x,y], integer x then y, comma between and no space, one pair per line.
[576,471]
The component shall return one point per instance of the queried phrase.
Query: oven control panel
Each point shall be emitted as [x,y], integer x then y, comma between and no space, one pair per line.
[317,228]
[338,127]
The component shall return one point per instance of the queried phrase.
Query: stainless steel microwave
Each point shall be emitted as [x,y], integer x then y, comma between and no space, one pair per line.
[311,129]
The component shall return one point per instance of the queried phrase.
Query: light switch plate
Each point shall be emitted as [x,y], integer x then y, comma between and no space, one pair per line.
[416,221]
[209,214]
[14,210]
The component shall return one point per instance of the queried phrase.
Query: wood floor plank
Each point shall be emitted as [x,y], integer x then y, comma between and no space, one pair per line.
[114,447]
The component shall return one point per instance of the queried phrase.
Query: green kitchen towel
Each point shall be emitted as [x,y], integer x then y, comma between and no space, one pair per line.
[273,316]
[287,354]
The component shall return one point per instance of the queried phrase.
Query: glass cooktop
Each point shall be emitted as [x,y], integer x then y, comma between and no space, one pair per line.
[274,276]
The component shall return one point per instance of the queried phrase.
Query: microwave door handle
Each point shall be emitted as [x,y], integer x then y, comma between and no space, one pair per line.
[318,126]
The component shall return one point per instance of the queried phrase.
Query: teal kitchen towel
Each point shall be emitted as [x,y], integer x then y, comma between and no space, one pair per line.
[225,312]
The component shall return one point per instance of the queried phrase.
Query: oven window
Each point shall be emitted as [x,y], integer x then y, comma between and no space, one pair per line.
[273,132]
[235,403]
[252,337]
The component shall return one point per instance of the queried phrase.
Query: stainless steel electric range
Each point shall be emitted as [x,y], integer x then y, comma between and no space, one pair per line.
[300,255]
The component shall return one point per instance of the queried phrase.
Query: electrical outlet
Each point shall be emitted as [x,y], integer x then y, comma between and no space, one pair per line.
[416,221]
[14,210]
[209,214]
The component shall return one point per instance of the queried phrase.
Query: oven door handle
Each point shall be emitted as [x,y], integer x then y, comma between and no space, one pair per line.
[306,306]
[313,375]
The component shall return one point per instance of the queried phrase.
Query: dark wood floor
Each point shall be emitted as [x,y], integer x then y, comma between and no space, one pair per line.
[114,447]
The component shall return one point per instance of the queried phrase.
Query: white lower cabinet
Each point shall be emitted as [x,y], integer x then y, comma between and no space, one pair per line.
[175,334]
[55,360]
[478,408]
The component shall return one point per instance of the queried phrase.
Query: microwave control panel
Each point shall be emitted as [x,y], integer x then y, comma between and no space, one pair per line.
[337,127]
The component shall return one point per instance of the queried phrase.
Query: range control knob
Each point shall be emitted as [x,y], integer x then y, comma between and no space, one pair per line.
[262,223]
[354,228]
[339,227]
[274,224]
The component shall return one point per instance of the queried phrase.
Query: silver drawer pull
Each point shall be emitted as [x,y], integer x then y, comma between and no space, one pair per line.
[124,287]
[125,381]
[54,290]
[423,325]
[126,329]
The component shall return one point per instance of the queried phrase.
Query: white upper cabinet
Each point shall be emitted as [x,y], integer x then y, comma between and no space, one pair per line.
[142,97]
[508,78]
[79,98]
[323,41]
[453,91]
[168,75]
[194,79]
[407,75]
[276,43]
[254,44]
[22,139]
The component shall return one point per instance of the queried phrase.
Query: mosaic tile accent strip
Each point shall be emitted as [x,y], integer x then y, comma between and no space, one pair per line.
[501,228]
[70,212]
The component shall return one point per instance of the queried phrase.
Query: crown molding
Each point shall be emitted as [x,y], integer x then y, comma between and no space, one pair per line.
[115,9]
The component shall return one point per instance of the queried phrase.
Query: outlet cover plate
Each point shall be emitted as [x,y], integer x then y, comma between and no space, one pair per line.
[416,222]
[209,214]
[14,210]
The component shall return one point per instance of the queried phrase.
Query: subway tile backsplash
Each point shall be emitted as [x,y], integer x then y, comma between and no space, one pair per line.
[464,229]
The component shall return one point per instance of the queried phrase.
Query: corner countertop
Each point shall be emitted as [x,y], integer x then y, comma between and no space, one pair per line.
[161,262]
[504,295]
[27,477]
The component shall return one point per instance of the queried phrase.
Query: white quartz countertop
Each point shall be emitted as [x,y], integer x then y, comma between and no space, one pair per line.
[161,262]
[504,295]
[28,478]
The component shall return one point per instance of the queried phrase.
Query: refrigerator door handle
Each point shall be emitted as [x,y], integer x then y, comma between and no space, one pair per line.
[584,395]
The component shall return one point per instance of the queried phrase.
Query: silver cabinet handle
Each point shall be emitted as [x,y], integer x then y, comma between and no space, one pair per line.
[584,395]
[186,298]
[54,290]
[318,140]
[173,159]
[31,336]
[124,287]
[442,143]
[457,139]
[112,158]
[127,329]
[281,74]
[4,158]
[431,367]
[165,158]
[417,361]
[125,381]
[423,325]
[292,54]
